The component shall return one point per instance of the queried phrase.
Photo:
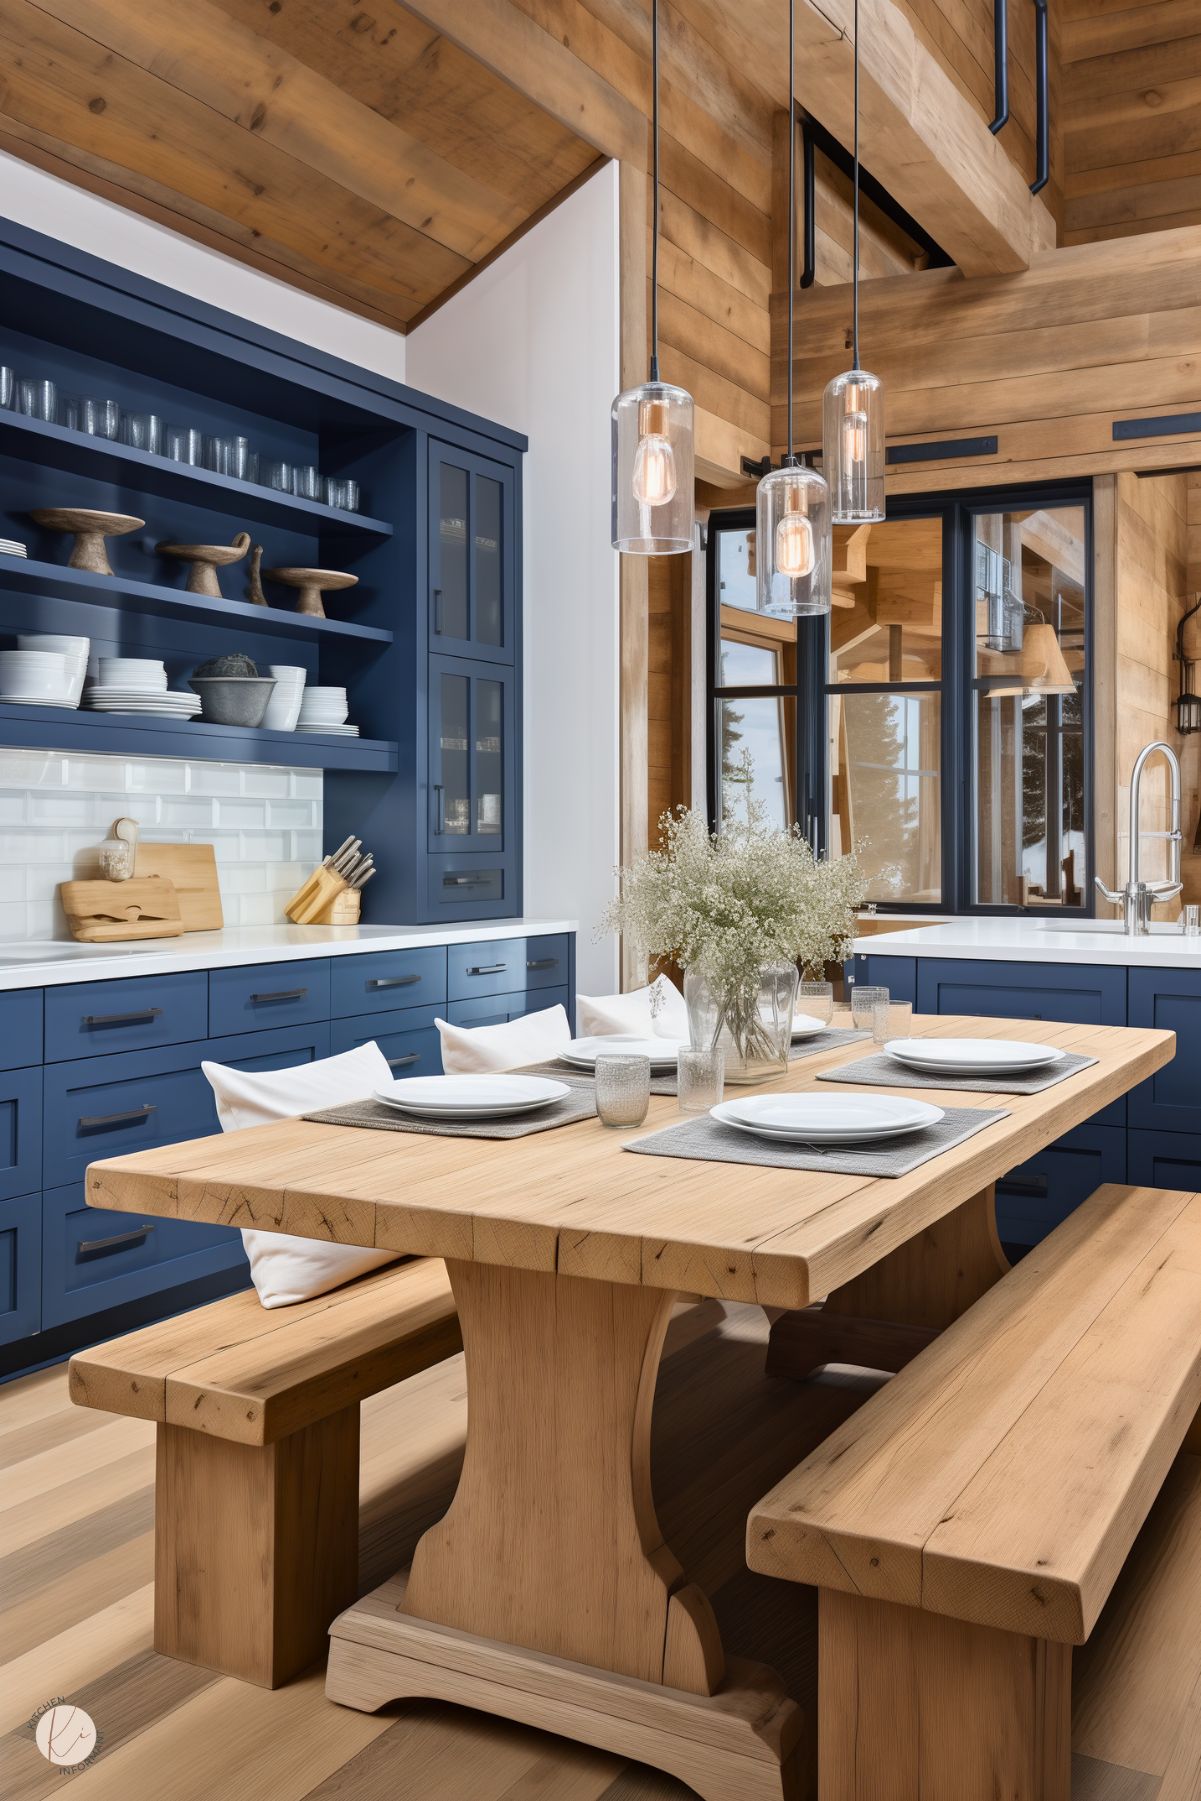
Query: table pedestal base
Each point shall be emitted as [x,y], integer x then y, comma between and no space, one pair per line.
[740,1744]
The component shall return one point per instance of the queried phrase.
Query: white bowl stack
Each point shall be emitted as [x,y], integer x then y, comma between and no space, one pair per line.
[74,652]
[283,709]
[138,685]
[35,678]
[325,710]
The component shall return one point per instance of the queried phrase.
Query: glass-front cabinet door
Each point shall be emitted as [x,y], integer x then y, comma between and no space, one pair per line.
[472,555]
[471,761]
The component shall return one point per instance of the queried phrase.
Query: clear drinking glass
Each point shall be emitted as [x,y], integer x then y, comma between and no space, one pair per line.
[68,412]
[816,1001]
[900,1019]
[184,444]
[37,399]
[217,454]
[700,1079]
[238,455]
[623,1089]
[306,482]
[350,496]
[143,431]
[7,386]
[869,1011]
[98,417]
[279,475]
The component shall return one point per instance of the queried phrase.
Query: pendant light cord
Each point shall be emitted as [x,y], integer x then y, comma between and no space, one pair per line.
[855,260]
[791,457]
[654,374]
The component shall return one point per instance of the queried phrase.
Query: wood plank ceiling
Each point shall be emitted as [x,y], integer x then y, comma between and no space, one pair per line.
[349,149]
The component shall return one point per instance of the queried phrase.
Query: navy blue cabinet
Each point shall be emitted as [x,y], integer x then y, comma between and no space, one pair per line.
[408,1038]
[21,1028]
[1171,1000]
[20,1131]
[1035,1198]
[1164,1159]
[498,1009]
[20,1267]
[472,555]
[381,981]
[90,1019]
[267,995]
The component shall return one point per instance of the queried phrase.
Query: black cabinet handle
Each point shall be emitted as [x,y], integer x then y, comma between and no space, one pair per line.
[402,1062]
[392,981]
[438,612]
[91,1122]
[281,994]
[1036,1185]
[542,963]
[87,1246]
[464,881]
[144,1017]
[486,969]
[439,813]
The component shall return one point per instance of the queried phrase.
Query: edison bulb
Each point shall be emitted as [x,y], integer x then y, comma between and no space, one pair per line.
[654,479]
[854,437]
[794,545]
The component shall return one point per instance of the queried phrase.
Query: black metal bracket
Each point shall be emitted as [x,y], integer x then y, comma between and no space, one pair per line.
[875,191]
[946,450]
[1168,425]
[1000,32]
[755,470]
[1042,147]
[809,201]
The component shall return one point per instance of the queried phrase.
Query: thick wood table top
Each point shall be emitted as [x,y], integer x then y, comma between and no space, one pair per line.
[571,1200]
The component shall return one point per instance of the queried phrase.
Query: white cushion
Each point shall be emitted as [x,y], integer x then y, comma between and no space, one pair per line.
[534,1039]
[285,1270]
[600,1015]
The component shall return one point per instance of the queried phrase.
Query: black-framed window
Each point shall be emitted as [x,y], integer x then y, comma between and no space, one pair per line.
[940,719]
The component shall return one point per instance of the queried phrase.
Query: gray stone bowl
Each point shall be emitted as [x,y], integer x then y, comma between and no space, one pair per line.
[233,699]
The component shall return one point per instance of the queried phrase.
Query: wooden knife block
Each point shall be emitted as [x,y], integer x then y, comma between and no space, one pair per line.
[112,912]
[324,900]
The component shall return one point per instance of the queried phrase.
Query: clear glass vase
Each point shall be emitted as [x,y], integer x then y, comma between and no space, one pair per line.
[751,1022]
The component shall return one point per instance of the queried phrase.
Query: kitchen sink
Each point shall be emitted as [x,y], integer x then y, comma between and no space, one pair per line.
[1107,927]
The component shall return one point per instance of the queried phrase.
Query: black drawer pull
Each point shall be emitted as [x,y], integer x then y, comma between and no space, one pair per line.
[542,963]
[1036,1185]
[87,1246]
[465,881]
[392,981]
[403,1062]
[280,994]
[93,1121]
[145,1017]
[486,969]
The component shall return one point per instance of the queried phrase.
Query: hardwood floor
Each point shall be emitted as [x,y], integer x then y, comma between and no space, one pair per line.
[76,1566]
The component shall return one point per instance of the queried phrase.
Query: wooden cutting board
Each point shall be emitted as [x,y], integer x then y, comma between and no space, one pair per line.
[111,912]
[192,871]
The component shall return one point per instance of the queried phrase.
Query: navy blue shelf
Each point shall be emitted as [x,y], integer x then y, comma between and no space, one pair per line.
[26,576]
[132,734]
[104,459]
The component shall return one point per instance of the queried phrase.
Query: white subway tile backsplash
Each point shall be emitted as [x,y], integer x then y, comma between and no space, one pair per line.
[55,808]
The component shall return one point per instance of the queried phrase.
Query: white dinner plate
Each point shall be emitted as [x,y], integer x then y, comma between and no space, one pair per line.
[972,1056]
[827,1119]
[805,1027]
[583,1052]
[35,700]
[471,1097]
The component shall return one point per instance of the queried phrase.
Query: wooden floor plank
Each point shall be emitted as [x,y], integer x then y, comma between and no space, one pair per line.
[50,1511]
[78,1591]
[73,1462]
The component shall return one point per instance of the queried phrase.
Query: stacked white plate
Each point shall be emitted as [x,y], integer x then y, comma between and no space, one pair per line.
[972,1056]
[325,710]
[805,1027]
[583,1052]
[167,705]
[73,650]
[470,1097]
[283,708]
[819,1119]
[12,547]
[36,678]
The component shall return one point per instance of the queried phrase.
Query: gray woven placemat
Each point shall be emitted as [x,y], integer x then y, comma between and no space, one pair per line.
[706,1140]
[829,1040]
[579,1104]
[885,1072]
[666,1083]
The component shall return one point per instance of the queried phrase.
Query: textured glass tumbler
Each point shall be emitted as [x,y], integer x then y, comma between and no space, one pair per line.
[8,385]
[900,1019]
[37,399]
[185,444]
[623,1090]
[816,1001]
[869,1010]
[700,1079]
[143,431]
[99,418]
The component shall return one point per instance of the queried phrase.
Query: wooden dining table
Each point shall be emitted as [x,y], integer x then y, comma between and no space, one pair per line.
[546,1593]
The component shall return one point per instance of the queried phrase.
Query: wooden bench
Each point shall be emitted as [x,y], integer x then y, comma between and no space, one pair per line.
[257,1473]
[966,1526]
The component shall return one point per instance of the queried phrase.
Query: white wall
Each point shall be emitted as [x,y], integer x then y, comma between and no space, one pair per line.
[532,342]
[46,203]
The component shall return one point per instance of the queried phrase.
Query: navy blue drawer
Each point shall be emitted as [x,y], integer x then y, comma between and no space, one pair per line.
[267,995]
[498,1009]
[20,1028]
[385,980]
[1169,999]
[470,885]
[20,1131]
[507,966]
[897,974]
[1164,1159]
[90,1019]
[20,1267]
[1034,1198]
[408,1039]
[107,1106]
[93,1259]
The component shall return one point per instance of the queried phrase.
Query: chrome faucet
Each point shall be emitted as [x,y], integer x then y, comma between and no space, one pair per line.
[1137,898]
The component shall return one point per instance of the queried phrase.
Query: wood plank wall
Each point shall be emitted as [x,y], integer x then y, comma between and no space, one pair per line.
[1132,94]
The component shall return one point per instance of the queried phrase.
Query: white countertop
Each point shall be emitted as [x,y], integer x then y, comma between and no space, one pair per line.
[1038,941]
[35,965]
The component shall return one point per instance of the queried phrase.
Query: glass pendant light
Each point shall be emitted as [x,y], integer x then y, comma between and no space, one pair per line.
[853,409]
[653,499]
[793,562]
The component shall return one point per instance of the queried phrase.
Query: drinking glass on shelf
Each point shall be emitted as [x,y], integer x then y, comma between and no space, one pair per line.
[306,482]
[98,417]
[216,454]
[143,431]
[184,444]
[237,457]
[350,496]
[8,386]
[869,1011]
[36,398]
[815,1000]
[623,1089]
[700,1078]
[67,411]
[279,475]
